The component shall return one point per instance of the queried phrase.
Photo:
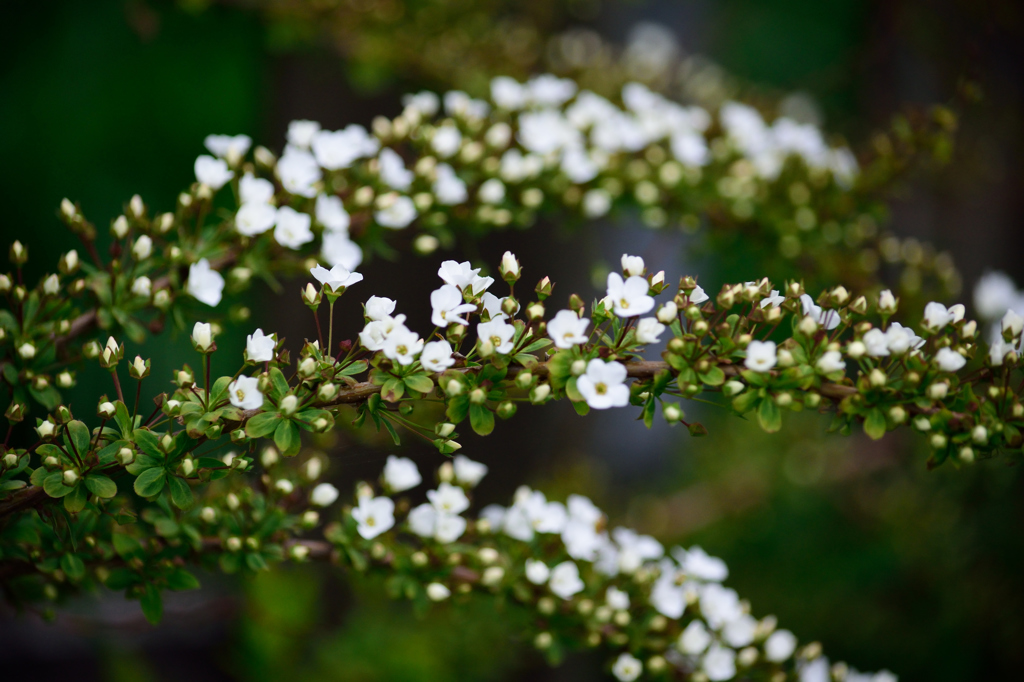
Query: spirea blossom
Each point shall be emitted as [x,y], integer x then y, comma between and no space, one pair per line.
[565,580]
[401,474]
[948,360]
[293,228]
[336,278]
[448,306]
[244,393]
[331,213]
[603,384]
[567,329]
[204,283]
[498,333]
[374,515]
[629,298]
[648,330]
[467,471]
[761,356]
[259,348]
[397,214]
[212,172]
[437,356]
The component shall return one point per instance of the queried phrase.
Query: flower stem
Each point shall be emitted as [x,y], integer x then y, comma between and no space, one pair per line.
[117,384]
[330,327]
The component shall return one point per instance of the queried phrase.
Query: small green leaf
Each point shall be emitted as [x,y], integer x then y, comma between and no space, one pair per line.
[100,485]
[769,416]
[357,367]
[73,566]
[458,408]
[148,442]
[123,419]
[572,392]
[53,485]
[220,390]
[79,434]
[697,430]
[180,579]
[392,390]
[262,424]
[419,382]
[286,438]
[181,492]
[150,482]
[581,407]
[713,377]
[75,501]
[874,424]
[481,419]
[126,546]
[152,604]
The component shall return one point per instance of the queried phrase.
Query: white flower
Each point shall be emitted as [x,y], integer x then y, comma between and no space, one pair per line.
[401,474]
[212,172]
[467,471]
[424,103]
[323,495]
[616,598]
[230,147]
[499,333]
[509,265]
[668,313]
[244,393]
[446,141]
[491,191]
[694,639]
[437,356]
[603,384]
[202,335]
[301,133]
[648,330]
[204,283]
[376,332]
[27,351]
[335,278]
[596,203]
[398,214]
[774,299]
[375,515]
[779,646]
[629,297]
[259,348]
[831,361]
[379,307]
[876,342]
[698,295]
[298,172]
[422,520]
[438,592]
[887,302]
[480,284]
[508,93]
[719,663]
[449,188]
[760,356]
[537,572]
[815,671]
[338,149]
[331,213]
[900,339]
[448,498]
[632,265]
[447,305]
[393,172]
[627,668]
[457,274]
[426,521]
[719,605]
[567,329]
[142,286]
[949,360]
[957,311]
[827,318]
[338,249]
[550,90]
[936,316]
[994,294]
[740,632]
[143,248]
[690,148]
[997,351]
[635,549]
[292,228]
[697,563]
[255,218]
[449,528]
[1013,323]
[565,580]
[253,190]
[402,345]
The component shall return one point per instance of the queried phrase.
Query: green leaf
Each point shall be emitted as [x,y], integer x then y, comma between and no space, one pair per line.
[458,408]
[262,424]
[148,442]
[745,401]
[107,454]
[79,434]
[713,377]
[536,345]
[481,419]
[123,419]
[150,482]
[279,385]
[357,367]
[220,390]
[180,579]
[874,424]
[73,566]
[572,392]
[648,412]
[152,604]
[75,501]
[48,397]
[181,492]
[697,430]
[126,546]
[581,407]
[419,382]
[53,485]
[100,485]
[769,416]
[287,439]
[392,390]
[391,430]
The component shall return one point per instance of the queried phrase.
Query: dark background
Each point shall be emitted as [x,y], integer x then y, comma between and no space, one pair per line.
[845,540]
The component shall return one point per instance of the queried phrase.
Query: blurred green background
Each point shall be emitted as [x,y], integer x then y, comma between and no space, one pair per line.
[846,540]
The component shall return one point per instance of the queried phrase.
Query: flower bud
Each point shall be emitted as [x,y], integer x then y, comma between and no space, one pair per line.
[437,592]
[732,388]
[119,228]
[143,248]
[544,287]
[897,414]
[877,378]
[856,349]
[26,351]
[524,379]
[10,460]
[840,295]
[668,313]
[938,441]
[453,388]
[807,326]
[136,206]
[493,576]
[979,434]
[307,367]
[233,544]
[289,403]
[18,253]
[510,269]
[922,424]
[188,466]
[672,413]
[535,311]
[106,409]
[51,285]
[886,302]
[938,390]
[46,429]
[327,392]
[446,473]
[540,393]
[966,454]
[311,296]
[506,410]
[125,456]
[70,477]
[202,336]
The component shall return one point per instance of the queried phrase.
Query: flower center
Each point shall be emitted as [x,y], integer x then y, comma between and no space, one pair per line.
[402,350]
[370,521]
[601,388]
[240,394]
[496,340]
[623,303]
